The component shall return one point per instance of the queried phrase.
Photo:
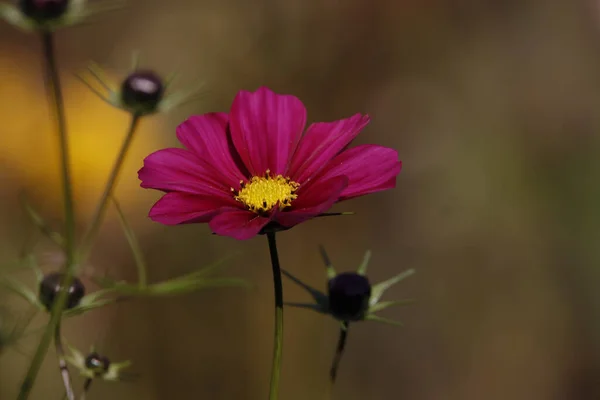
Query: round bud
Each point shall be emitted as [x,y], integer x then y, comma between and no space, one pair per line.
[44,10]
[50,288]
[349,295]
[97,364]
[142,90]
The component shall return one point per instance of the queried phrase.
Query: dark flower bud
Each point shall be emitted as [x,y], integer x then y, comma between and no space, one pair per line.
[97,364]
[44,10]
[142,91]
[349,295]
[50,288]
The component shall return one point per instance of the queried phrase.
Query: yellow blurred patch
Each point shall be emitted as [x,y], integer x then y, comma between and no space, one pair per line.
[29,146]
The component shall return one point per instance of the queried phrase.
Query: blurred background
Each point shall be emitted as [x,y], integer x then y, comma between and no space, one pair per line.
[494,108]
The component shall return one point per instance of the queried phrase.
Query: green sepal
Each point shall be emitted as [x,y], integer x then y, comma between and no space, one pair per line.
[91,302]
[376,318]
[362,268]
[380,288]
[114,370]
[328,265]
[15,17]
[385,304]
[320,298]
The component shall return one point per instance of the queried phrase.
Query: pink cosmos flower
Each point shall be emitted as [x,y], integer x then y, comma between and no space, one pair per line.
[257,166]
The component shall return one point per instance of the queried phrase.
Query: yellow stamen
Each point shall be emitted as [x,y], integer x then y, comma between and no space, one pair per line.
[262,193]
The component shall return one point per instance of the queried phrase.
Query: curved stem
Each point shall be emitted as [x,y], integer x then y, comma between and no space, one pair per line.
[53,85]
[278,341]
[92,232]
[86,387]
[62,364]
[339,351]
[337,358]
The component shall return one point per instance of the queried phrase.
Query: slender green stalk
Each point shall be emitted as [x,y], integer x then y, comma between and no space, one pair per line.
[86,387]
[62,364]
[278,341]
[53,85]
[92,232]
[339,352]
[336,359]
[54,88]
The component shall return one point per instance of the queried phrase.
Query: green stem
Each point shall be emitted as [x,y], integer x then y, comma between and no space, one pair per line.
[86,387]
[92,232]
[278,341]
[53,85]
[339,351]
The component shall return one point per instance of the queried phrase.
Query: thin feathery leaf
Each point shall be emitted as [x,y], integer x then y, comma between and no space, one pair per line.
[134,245]
[209,269]
[21,290]
[181,286]
[83,308]
[39,222]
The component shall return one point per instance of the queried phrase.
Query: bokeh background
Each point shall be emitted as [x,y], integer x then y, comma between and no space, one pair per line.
[495,110]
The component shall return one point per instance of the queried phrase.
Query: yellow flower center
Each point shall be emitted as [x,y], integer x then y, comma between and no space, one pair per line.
[262,193]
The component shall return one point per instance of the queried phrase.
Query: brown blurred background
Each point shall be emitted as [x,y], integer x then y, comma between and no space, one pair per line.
[494,107]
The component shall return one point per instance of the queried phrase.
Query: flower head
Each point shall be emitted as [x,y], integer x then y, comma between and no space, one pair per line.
[350,295]
[50,287]
[43,10]
[96,366]
[257,168]
[50,15]
[142,91]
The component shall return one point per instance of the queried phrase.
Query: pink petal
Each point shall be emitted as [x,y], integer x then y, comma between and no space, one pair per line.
[322,142]
[369,169]
[182,208]
[314,200]
[206,136]
[180,170]
[266,128]
[238,224]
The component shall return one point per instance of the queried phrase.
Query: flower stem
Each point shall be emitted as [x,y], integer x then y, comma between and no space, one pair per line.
[92,232]
[53,86]
[86,387]
[339,351]
[62,363]
[278,341]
